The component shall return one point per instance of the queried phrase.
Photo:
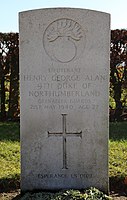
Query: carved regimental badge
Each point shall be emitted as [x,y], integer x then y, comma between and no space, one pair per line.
[64,40]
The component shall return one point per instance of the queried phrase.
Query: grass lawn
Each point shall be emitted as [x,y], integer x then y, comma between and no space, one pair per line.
[118,150]
[118,157]
[10,156]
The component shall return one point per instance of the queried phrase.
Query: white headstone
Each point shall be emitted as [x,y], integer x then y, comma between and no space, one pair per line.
[64,71]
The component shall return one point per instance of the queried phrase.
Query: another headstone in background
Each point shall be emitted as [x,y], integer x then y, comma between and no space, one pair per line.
[64,78]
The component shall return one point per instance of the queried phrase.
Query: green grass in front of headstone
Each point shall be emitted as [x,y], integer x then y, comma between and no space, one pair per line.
[118,159]
[118,150]
[10,158]
[118,156]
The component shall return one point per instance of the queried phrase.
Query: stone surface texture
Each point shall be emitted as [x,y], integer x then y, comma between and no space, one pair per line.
[64,77]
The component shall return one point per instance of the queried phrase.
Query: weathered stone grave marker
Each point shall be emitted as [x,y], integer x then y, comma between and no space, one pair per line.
[64,76]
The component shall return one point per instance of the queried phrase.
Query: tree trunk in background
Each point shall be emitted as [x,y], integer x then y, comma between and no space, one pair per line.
[117,97]
[3,112]
[14,91]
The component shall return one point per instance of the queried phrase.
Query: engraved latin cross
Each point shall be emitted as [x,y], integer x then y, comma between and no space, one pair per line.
[64,134]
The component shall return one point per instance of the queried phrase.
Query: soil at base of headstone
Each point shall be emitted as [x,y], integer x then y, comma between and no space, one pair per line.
[118,190]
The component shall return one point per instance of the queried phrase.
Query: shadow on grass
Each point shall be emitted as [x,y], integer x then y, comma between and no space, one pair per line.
[17,197]
[118,131]
[9,131]
[9,184]
[117,186]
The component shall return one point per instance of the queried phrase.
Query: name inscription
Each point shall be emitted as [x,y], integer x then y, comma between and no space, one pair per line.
[64,89]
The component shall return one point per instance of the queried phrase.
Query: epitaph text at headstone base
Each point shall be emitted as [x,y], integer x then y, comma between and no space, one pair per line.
[64,73]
